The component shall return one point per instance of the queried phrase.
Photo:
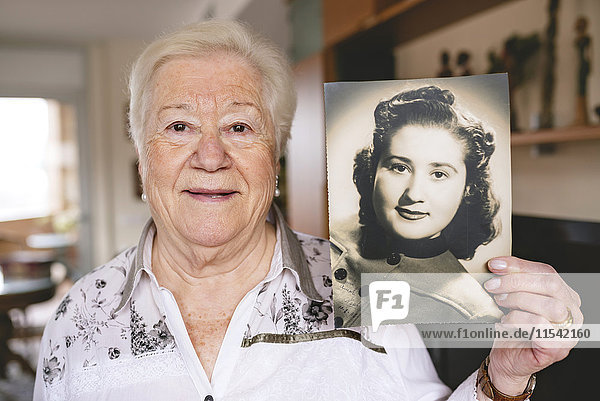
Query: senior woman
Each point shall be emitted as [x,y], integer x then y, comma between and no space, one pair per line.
[220,300]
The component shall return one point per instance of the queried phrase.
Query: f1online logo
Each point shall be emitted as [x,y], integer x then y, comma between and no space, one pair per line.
[389,301]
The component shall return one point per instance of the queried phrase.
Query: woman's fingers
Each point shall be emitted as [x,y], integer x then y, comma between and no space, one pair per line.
[543,334]
[552,309]
[511,264]
[535,277]
[550,285]
[537,297]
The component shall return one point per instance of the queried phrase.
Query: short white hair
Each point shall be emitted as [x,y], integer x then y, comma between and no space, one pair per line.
[203,39]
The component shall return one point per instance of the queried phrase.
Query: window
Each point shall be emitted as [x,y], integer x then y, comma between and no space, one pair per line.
[38,158]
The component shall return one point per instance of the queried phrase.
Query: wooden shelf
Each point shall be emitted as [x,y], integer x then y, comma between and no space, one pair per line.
[401,19]
[360,37]
[568,134]
[345,20]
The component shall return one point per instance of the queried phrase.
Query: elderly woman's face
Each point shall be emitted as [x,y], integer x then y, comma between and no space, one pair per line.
[210,170]
[419,182]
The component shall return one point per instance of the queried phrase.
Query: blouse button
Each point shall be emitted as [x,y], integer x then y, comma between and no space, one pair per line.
[340,274]
[209,398]
[338,322]
[394,258]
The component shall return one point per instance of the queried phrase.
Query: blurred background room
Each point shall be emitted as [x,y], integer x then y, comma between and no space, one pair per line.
[69,189]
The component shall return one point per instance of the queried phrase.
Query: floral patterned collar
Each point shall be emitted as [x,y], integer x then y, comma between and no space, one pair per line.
[292,257]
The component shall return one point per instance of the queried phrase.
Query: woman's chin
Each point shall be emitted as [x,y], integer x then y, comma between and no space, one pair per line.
[206,230]
[208,237]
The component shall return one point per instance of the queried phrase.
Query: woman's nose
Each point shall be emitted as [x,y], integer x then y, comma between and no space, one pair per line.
[211,153]
[414,190]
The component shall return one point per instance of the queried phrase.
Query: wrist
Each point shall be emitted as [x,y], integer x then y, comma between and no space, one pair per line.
[511,389]
[507,384]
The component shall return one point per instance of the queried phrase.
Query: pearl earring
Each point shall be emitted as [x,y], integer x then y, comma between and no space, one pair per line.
[144,197]
[277,191]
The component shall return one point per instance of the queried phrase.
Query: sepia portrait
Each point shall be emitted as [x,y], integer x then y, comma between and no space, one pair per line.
[419,183]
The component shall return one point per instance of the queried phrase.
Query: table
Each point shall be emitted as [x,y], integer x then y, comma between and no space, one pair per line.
[19,293]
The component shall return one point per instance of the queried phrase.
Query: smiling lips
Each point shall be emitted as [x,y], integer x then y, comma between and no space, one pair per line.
[210,195]
[411,214]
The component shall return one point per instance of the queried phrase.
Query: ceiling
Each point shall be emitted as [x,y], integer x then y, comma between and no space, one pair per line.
[84,21]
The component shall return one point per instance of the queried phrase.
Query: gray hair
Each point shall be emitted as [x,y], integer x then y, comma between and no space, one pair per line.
[203,39]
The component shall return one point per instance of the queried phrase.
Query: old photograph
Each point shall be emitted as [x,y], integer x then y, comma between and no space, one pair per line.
[419,182]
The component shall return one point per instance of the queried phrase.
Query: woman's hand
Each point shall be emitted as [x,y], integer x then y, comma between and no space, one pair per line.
[536,296]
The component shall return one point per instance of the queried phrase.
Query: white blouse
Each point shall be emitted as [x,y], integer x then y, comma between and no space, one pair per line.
[118,335]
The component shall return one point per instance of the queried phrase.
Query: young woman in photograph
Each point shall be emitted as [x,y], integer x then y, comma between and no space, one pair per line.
[425,202]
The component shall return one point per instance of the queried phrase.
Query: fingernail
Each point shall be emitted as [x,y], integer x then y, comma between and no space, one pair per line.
[501,297]
[498,264]
[492,284]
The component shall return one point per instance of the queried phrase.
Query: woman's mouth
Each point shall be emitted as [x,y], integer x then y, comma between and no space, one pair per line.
[211,195]
[411,214]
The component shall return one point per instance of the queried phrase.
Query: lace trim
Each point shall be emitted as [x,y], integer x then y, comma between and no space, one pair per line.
[140,369]
[304,337]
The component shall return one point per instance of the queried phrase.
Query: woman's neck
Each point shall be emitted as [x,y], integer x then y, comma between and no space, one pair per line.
[193,271]
[419,248]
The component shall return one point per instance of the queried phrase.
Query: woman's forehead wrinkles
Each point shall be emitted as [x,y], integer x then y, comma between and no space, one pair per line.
[191,98]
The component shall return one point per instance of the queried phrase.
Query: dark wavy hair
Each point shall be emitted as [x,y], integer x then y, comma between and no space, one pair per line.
[474,223]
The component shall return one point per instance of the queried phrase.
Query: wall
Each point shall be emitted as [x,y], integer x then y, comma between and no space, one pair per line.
[565,184]
[41,69]
[276,27]
[119,214]
[307,28]
[306,152]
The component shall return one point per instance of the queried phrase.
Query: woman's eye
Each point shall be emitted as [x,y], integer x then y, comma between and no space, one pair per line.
[399,168]
[439,175]
[239,128]
[179,127]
